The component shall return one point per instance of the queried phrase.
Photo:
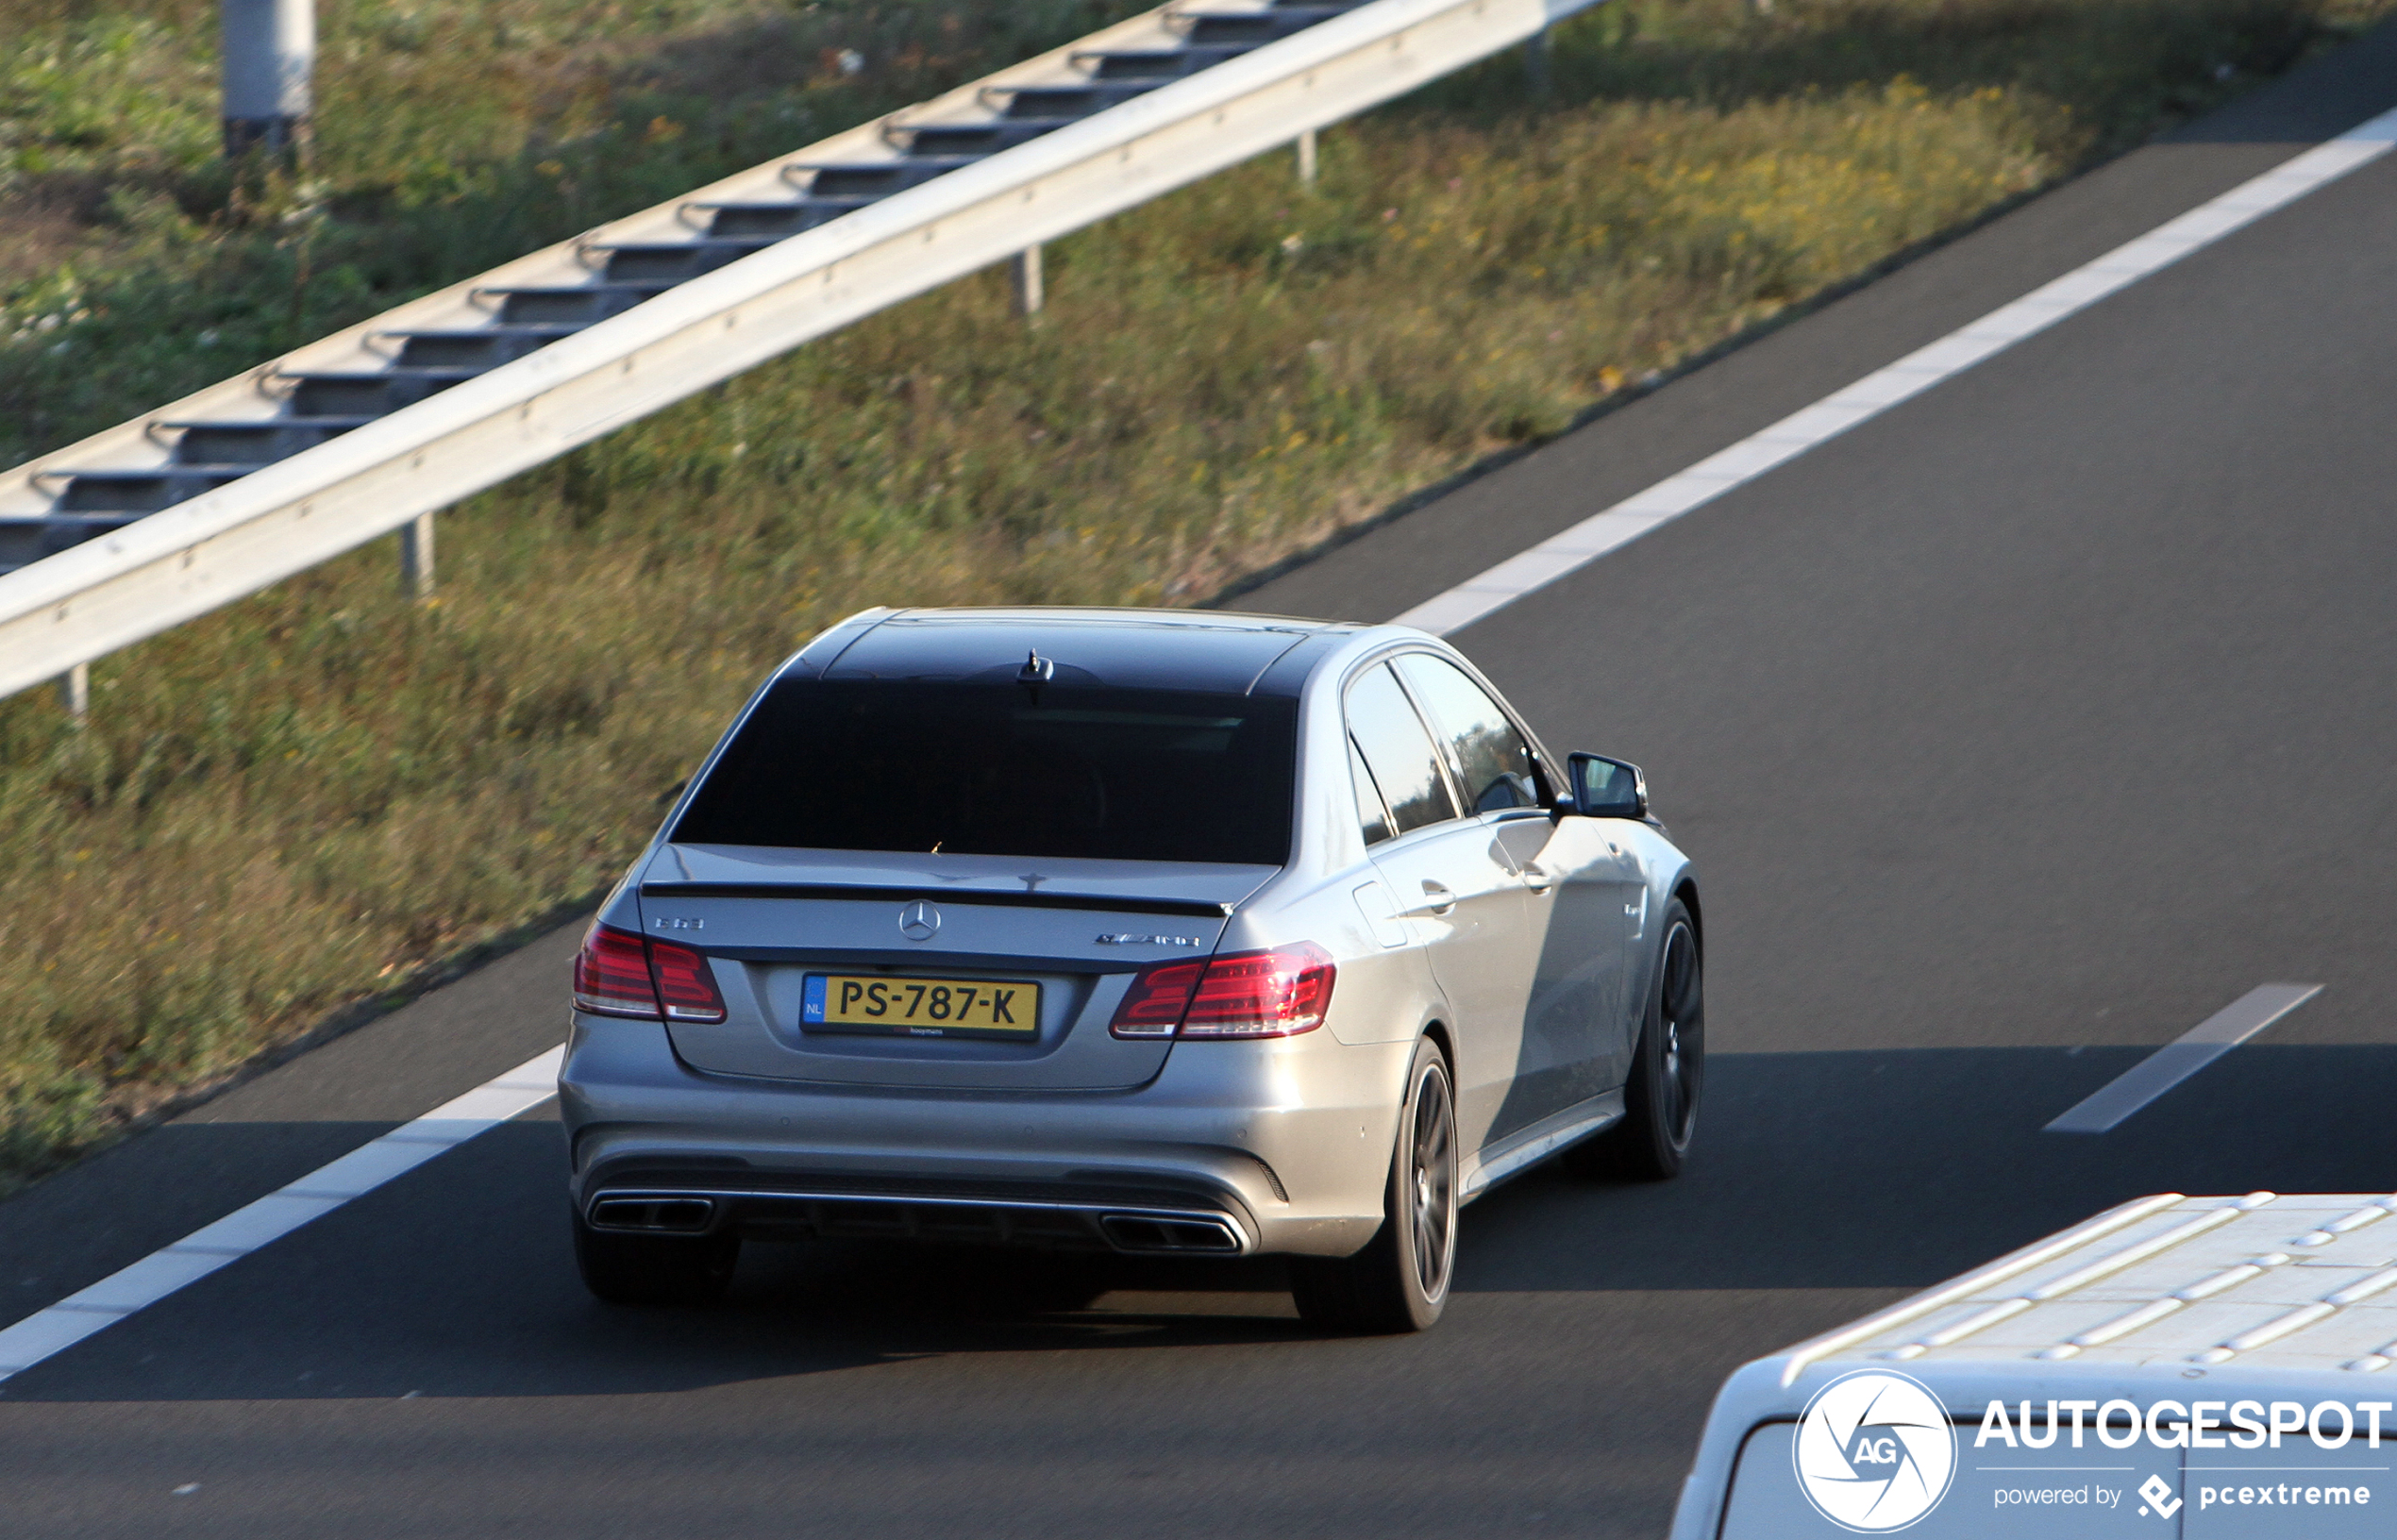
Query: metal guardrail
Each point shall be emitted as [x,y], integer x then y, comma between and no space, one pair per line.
[158,519]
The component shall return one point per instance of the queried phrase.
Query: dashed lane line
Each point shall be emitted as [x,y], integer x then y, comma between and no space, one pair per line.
[2105,1108]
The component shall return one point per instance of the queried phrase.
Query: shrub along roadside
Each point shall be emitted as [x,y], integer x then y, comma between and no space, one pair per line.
[322,792]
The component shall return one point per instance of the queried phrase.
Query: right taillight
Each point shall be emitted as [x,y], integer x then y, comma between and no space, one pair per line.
[619,974]
[1280,992]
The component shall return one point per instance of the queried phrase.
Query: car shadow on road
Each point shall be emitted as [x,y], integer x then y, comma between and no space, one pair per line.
[1851,1171]
[1900,1168]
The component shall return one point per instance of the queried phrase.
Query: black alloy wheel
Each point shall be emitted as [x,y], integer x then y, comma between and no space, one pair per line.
[1668,1072]
[1432,1184]
[1681,1015]
[1399,1281]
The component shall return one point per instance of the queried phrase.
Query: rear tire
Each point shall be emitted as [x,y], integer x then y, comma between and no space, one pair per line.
[1399,1281]
[1668,1069]
[655,1269]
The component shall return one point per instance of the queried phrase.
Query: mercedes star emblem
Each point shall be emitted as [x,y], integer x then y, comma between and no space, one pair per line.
[919,920]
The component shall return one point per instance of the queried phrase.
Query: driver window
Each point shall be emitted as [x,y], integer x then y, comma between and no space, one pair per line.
[1490,755]
[1405,766]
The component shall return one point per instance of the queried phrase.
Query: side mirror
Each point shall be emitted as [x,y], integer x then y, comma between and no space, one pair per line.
[1602,788]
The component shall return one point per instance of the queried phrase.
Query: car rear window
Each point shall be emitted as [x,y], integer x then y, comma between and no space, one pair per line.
[989,768]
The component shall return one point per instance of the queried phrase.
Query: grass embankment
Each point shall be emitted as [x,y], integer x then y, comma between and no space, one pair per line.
[323,792]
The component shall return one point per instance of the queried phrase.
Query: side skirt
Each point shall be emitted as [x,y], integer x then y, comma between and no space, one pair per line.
[1522,1151]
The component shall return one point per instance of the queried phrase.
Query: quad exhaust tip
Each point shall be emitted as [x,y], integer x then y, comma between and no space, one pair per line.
[671,1215]
[1150,1233]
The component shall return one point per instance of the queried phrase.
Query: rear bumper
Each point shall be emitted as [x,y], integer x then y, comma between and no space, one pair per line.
[768,1207]
[1236,1148]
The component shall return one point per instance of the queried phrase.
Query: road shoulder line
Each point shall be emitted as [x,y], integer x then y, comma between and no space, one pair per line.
[48,1332]
[1618,525]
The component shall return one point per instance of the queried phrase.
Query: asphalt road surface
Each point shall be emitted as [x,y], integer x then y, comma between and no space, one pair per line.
[2015,734]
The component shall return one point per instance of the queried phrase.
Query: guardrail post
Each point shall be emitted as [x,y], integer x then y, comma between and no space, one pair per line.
[269,52]
[1025,269]
[1536,64]
[416,557]
[75,691]
[1306,159]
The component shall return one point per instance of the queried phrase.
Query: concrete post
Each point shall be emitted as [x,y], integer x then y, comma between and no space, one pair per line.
[1025,272]
[75,691]
[270,53]
[1306,159]
[416,557]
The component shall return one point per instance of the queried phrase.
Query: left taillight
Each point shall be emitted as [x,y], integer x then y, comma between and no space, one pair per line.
[612,974]
[619,974]
[686,985]
[1154,1006]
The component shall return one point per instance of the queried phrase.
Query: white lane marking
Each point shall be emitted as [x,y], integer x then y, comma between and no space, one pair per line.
[276,1215]
[2176,1060]
[1608,531]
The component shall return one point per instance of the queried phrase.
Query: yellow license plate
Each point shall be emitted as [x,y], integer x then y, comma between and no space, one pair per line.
[855,1002]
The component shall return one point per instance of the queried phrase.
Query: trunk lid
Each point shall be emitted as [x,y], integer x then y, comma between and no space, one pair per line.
[768,918]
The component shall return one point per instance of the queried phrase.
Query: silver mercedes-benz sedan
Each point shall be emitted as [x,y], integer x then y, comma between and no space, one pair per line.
[1163,933]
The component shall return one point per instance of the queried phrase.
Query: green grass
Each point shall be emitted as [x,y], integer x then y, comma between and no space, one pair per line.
[322,792]
[451,135]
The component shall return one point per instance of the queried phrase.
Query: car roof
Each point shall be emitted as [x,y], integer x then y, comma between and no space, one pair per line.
[1138,649]
[2084,1296]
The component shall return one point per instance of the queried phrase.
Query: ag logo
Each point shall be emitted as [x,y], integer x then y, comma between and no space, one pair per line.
[1874,1451]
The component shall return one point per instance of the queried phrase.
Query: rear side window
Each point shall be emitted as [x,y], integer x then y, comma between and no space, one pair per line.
[1372,817]
[979,768]
[1490,755]
[1405,766]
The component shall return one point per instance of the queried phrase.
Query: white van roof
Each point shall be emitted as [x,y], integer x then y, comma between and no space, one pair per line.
[2263,1297]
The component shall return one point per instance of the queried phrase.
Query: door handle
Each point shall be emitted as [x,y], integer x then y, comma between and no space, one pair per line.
[1537,879]
[1442,901]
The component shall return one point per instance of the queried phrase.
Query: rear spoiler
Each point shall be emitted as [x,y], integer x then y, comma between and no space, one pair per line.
[1028,899]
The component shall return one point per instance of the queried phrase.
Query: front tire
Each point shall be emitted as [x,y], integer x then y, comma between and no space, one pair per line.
[1399,1281]
[1669,1068]
[655,1269]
